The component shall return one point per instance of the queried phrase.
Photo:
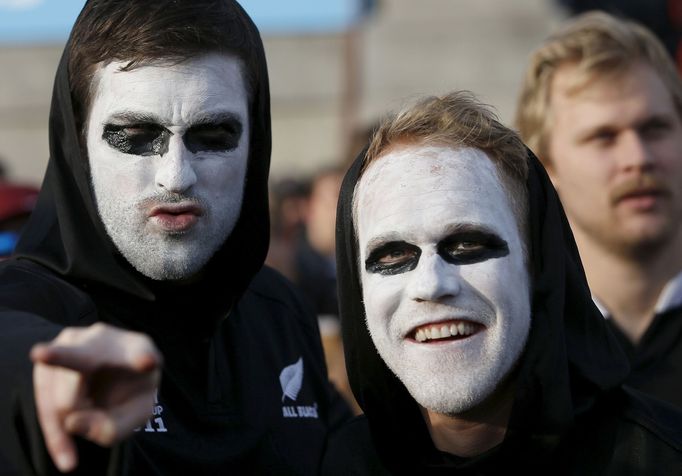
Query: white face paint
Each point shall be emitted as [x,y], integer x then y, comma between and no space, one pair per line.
[445,286]
[168,149]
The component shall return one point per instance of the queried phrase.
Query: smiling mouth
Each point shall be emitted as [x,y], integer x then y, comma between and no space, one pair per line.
[445,331]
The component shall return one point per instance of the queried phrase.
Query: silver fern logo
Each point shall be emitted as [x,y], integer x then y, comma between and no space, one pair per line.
[291,379]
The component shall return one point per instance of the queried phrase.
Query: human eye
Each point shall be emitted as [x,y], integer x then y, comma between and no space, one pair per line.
[472,247]
[465,247]
[137,139]
[393,258]
[655,129]
[603,138]
[214,137]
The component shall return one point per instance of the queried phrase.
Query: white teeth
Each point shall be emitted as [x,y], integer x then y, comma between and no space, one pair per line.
[444,331]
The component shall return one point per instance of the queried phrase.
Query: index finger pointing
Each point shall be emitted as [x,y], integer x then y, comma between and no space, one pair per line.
[87,360]
[86,349]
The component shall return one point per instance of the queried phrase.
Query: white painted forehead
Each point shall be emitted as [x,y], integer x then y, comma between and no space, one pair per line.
[215,61]
[468,159]
[195,72]
[401,167]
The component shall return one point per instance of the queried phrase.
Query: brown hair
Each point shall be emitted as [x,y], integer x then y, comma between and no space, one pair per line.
[600,45]
[459,120]
[142,31]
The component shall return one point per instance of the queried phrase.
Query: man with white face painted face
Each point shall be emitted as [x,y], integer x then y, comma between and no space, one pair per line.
[444,281]
[142,262]
[168,148]
[472,344]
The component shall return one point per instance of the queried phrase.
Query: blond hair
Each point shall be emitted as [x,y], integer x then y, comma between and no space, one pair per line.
[599,45]
[459,120]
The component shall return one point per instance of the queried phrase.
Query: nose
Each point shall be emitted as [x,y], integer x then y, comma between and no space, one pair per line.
[635,152]
[176,169]
[434,279]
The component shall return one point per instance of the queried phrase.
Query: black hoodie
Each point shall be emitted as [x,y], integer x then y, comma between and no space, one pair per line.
[226,403]
[570,414]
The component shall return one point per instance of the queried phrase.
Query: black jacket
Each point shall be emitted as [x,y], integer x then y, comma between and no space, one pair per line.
[244,387]
[656,360]
[571,415]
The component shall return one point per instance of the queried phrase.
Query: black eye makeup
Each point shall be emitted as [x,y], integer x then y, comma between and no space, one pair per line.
[137,139]
[214,137]
[472,246]
[393,258]
[460,248]
[140,136]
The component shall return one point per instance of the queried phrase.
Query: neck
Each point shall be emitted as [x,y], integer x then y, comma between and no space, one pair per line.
[475,431]
[629,284]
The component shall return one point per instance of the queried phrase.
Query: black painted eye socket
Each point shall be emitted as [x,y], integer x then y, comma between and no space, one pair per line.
[213,137]
[464,248]
[396,256]
[393,258]
[472,247]
[460,248]
[137,139]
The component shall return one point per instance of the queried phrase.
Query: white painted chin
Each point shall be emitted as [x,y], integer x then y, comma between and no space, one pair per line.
[451,392]
[453,377]
[165,256]
[169,258]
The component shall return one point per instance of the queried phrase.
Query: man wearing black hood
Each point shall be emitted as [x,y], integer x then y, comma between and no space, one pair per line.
[472,344]
[147,243]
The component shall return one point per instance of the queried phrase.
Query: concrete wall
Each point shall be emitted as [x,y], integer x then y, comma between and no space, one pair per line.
[408,48]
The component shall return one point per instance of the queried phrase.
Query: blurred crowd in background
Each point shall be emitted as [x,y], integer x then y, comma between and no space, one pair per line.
[16,203]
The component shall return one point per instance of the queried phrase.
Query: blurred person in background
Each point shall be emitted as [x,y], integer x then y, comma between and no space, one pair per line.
[288,210]
[315,271]
[662,17]
[16,204]
[315,265]
[601,105]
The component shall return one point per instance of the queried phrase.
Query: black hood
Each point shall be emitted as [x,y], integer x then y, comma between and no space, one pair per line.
[569,361]
[66,234]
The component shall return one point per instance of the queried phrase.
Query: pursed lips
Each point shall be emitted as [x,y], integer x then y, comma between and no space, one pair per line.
[176,217]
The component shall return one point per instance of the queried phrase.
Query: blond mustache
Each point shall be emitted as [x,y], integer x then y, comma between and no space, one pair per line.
[643,183]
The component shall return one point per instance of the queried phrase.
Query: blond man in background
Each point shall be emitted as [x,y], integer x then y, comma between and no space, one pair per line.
[601,105]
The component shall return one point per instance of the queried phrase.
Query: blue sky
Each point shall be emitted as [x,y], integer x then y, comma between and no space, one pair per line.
[36,21]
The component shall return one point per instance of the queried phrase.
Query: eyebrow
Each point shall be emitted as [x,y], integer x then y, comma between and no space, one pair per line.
[200,119]
[655,118]
[589,133]
[449,230]
[134,117]
[219,117]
